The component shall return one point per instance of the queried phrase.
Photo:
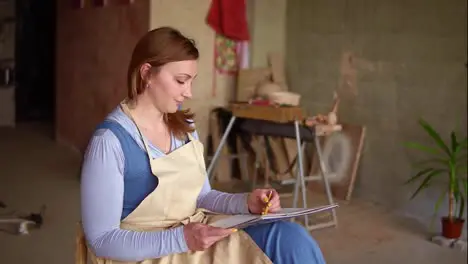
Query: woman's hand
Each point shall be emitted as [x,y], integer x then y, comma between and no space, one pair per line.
[258,201]
[200,236]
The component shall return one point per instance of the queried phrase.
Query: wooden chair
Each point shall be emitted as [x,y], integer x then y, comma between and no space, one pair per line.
[81,250]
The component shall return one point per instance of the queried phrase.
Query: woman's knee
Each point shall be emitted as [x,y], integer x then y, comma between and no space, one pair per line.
[286,242]
[295,244]
[292,234]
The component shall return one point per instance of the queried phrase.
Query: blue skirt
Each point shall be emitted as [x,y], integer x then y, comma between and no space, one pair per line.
[285,242]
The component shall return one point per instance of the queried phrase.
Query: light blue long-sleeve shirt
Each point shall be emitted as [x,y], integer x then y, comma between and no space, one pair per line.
[102,192]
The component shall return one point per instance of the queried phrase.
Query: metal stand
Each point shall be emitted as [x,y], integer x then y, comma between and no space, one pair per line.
[299,181]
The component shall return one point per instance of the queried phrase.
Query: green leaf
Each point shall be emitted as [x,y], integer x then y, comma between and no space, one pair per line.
[453,179]
[453,140]
[456,190]
[439,161]
[425,182]
[461,207]
[423,148]
[419,174]
[434,136]
[462,196]
[464,187]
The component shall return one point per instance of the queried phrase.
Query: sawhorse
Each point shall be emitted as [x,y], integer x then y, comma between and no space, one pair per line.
[300,180]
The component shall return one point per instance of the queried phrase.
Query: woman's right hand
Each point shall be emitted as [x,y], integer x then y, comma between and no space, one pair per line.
[200,236]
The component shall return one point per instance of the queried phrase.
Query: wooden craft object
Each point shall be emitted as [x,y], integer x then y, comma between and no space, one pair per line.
[332,117]
[223,171]
[247,81]
[342,189]
[323,130]
[336,103]
[276,63]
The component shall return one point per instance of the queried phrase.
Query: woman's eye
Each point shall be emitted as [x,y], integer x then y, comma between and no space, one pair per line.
[180,82]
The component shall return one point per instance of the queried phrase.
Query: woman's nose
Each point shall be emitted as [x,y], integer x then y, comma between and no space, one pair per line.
[188,92]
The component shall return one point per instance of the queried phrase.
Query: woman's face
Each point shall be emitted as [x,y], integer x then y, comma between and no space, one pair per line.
[171,85]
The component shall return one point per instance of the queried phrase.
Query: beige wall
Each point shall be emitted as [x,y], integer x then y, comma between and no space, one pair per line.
[189,17]
[267,23]
[268,35]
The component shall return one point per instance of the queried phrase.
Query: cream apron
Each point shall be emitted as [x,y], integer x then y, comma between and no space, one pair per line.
[181,175]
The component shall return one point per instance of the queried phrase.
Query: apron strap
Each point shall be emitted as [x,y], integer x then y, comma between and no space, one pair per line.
[127,111]
[190,137]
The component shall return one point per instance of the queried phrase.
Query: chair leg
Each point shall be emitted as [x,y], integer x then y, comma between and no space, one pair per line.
[81,252]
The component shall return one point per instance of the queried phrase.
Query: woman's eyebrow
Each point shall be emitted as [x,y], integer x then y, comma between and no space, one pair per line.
[186,75]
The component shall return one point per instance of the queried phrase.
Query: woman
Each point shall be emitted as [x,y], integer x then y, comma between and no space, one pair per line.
[144,180]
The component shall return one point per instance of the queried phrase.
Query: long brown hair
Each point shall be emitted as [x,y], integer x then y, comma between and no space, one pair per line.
[158,47]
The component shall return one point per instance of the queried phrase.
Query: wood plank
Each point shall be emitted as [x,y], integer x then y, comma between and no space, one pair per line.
[290,147]
[276,63]
[280,158]
[246,161]
[247,80]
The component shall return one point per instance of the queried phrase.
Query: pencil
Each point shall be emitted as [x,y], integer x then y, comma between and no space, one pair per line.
[268,204]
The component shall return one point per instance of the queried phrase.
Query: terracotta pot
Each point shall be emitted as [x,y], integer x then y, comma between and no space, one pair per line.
[452,228]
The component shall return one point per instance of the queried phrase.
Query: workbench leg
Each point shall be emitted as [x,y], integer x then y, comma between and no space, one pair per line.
[220,147]
[300,172]
[324,173]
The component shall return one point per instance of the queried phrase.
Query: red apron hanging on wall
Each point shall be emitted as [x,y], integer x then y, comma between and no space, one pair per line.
[229,20]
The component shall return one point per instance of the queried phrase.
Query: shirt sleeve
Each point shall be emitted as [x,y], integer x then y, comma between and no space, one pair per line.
[221,202]
[102,189]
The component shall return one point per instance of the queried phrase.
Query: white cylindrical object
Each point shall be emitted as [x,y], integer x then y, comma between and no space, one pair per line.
[332,118]
[265,88]
[285,98]
[337,154]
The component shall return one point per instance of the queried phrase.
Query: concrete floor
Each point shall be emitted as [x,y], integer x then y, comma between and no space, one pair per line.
[35,171]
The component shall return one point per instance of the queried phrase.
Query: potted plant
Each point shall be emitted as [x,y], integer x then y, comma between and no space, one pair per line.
[448,160]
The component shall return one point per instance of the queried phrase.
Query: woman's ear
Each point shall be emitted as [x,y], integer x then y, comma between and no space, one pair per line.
[145,71]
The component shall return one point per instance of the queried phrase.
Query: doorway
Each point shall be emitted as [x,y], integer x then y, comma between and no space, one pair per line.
[35,61]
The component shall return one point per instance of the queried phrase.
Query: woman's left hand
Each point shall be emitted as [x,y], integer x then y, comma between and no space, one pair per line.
[258,201]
